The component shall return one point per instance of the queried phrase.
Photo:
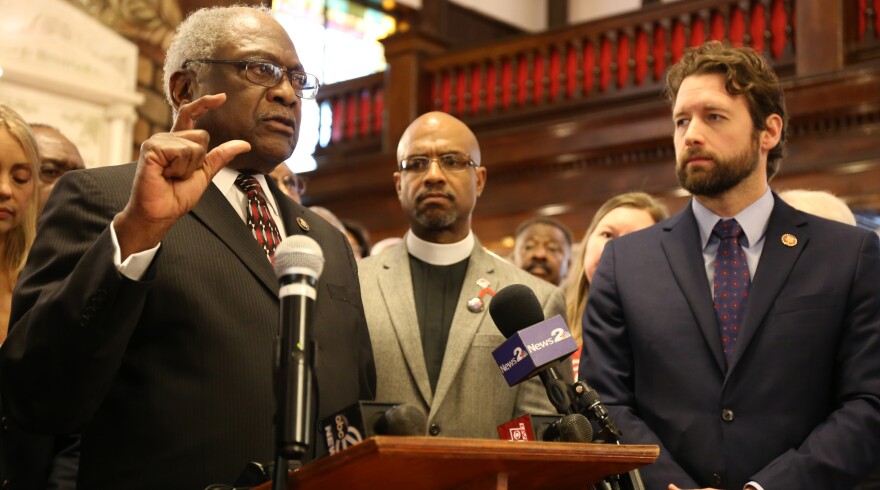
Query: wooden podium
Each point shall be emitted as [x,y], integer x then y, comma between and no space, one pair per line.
[432,463]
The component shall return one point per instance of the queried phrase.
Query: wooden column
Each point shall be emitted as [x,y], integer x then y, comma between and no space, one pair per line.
[406,88]
[819,43]
[557,14]
[433,18]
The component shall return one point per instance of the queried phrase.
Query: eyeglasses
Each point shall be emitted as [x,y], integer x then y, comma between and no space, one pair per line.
[269,74]
[295,184]
[451,162]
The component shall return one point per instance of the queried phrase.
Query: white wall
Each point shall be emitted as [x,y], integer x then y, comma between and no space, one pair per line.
[529,15]
[64,68]
[586,10]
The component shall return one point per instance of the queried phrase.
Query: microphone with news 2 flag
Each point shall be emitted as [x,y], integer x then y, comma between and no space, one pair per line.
[534,346]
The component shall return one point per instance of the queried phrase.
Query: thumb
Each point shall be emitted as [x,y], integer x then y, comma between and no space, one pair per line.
[223,154]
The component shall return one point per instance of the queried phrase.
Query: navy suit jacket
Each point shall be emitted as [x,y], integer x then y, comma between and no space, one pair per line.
[169,378]
[799,405]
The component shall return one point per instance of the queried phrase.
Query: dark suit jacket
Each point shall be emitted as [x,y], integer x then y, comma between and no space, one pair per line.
[168,378]
[799,406]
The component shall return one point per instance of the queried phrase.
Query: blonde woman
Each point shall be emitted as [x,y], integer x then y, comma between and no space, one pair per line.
[19,203]
[620,215]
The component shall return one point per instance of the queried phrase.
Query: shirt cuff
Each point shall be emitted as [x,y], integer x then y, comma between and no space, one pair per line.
[754,484]
[136,265]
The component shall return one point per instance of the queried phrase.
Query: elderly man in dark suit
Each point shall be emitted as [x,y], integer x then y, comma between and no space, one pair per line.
[751,357]
[147,313]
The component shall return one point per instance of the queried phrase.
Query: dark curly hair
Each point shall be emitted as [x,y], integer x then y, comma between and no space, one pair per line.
[746,73]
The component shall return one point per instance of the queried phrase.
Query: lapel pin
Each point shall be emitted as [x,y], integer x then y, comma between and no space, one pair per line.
[303,224]
[789,240]
[476,305]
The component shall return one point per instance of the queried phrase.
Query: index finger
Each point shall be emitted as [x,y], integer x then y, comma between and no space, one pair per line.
[189,112]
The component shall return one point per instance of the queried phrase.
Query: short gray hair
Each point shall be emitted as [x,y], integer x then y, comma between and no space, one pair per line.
[199,35]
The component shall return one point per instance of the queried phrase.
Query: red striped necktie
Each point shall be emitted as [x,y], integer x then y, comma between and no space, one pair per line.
[258,217]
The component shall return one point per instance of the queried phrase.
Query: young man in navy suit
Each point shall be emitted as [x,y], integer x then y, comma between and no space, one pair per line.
[752,357]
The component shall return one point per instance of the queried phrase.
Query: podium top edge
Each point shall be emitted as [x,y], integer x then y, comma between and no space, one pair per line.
[642,453]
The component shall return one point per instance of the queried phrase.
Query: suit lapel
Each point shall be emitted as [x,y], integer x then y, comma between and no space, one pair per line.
[395,283]
[288,209]
[464,323]
[214,211]
[682,246]
[774,267]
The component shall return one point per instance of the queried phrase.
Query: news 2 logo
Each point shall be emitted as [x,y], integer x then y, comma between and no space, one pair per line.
[556,335]
[519,434]
[518,355]
[342,436]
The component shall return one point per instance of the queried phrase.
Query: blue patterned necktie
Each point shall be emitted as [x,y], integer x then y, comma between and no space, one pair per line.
[732,282]
[259,220]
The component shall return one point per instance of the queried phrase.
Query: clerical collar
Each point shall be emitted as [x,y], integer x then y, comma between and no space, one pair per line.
[439,253]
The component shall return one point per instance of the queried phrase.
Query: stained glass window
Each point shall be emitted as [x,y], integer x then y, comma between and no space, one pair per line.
[336,40]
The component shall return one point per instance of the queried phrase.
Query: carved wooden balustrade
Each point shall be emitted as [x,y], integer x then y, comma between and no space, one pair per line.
[582,104]
[621,57]
[356,108]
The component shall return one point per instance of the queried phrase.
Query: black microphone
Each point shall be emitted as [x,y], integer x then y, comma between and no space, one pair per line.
[549,428]
[366,419]
[299,262]
[515,308]
[570,428]
[401,420]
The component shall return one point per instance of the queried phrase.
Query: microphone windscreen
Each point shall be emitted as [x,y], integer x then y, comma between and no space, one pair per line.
[575,428]
[299,254]
[514,308]
[403,420]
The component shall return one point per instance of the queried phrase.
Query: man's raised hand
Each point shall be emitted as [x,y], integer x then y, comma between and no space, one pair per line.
[174,169]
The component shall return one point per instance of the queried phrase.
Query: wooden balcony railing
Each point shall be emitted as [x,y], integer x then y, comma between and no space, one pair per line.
[863,18]
[610,60]
[623,55]
[356,108]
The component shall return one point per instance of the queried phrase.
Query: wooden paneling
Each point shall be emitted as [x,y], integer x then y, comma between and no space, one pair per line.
[568,156]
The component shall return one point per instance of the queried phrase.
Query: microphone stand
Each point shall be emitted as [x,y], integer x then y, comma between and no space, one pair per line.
[585,400]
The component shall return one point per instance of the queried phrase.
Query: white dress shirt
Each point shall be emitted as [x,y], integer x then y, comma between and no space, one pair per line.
[135,265]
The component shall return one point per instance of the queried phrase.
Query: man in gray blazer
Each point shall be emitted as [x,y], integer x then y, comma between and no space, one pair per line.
[147,313]
[426,300]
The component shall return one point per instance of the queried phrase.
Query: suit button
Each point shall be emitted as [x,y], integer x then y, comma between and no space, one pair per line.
[434,430]
[727,415]
[716,480]
[4,424]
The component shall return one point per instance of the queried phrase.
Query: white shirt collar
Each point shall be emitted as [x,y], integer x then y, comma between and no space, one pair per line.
[440,253]
[225,181]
